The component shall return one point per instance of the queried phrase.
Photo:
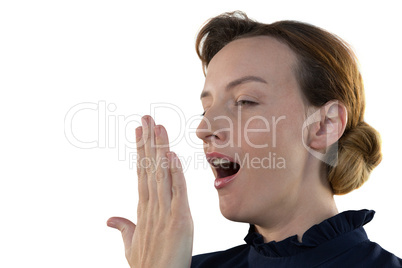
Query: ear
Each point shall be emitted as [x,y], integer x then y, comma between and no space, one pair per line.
[330,126]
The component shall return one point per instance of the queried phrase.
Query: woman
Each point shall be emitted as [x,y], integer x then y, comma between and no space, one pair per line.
[288,93]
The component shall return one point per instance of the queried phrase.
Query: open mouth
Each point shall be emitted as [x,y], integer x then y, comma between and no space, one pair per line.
[224,167]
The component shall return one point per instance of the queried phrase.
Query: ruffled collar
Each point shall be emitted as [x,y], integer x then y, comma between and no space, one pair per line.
[318,234]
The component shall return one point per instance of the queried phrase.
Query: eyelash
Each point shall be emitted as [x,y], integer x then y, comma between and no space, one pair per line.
[245,102]
[238,103]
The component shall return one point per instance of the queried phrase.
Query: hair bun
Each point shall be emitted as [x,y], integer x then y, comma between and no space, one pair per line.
[359,152]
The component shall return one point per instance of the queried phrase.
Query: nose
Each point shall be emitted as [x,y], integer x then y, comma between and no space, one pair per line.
[214,128]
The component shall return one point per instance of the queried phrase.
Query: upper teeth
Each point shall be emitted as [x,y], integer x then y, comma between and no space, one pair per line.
[220,161]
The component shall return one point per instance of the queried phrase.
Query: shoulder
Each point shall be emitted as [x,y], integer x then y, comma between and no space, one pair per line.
[233,257]
[368,254]
[379,256]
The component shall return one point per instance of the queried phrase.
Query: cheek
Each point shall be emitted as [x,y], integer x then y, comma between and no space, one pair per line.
[289,133]
[288,126]
[271,132]
[289,144]
[258,133]
[275,143]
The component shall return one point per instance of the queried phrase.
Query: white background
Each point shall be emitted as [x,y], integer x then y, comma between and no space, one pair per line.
[55,198]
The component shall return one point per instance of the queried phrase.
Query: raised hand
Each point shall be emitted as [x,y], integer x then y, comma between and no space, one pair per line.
[163,236]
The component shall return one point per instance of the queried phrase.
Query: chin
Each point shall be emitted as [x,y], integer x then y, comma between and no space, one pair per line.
[231,211]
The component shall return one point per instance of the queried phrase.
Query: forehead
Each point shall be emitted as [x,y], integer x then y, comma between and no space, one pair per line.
[262,56]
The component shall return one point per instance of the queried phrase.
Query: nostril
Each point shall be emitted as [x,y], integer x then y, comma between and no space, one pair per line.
[203,133]
[215,137]
[211,131]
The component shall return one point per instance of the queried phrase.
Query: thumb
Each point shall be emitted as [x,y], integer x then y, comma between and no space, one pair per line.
[126,227]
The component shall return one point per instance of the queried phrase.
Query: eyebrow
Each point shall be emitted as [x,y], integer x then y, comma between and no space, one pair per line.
[235,83]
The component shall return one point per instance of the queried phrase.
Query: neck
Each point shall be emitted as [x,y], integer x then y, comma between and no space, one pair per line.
[312,205]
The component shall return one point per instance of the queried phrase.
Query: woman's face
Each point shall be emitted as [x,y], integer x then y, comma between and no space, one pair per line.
[254,112]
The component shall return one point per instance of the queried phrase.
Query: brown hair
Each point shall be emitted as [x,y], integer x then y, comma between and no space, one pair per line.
[327,70]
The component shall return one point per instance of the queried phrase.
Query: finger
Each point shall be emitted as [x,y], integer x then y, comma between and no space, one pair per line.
[148,126]
[179,190]
[141,167]
[163,179]
[126,227]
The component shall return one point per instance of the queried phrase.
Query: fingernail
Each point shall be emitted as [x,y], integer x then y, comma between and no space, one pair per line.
[111,224]
[173,159]
[144,121]
[170,156]
[138,132]
[157,130]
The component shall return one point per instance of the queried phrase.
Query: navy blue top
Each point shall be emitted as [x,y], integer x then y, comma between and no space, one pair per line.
[339,241]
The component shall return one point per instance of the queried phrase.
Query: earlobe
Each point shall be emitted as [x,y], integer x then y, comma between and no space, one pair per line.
[330,127]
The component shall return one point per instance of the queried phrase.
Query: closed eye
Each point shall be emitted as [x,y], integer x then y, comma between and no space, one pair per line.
[245,102]
[239,103]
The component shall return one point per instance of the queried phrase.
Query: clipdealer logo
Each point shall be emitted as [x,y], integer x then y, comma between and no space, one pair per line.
[113,130]
[116,131]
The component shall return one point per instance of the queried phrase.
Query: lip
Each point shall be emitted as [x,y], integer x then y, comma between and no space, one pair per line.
[221,182]
[213,155]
